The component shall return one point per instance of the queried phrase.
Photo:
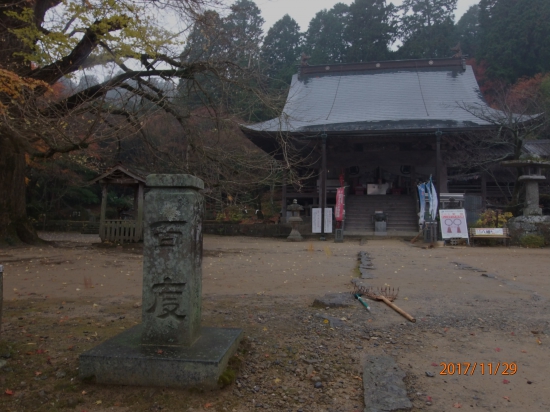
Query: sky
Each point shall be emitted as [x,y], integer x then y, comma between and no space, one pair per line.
[304,10]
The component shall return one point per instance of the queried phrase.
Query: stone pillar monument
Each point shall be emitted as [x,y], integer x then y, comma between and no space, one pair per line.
[172,257]
[169,347]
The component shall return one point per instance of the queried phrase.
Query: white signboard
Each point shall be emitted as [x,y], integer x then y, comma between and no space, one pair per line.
[316,220]
[489,231]
[453,223]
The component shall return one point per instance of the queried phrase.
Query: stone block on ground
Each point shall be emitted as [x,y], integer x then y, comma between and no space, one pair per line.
[123,360]
[359,283]
[334,300]
[383,385]
[366,273]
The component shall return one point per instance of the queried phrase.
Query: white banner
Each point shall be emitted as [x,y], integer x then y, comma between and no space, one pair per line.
[489,231]
[316,220]
[453,223]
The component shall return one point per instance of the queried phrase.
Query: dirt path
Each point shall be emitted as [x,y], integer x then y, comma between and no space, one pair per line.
[473,305]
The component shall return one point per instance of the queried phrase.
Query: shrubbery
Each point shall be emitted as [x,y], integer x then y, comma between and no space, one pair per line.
[532,241]
[489,218]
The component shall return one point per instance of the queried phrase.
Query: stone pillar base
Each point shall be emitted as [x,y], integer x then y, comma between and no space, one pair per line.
[123,360]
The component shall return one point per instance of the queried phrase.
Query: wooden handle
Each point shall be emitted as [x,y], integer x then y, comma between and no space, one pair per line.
[397,308]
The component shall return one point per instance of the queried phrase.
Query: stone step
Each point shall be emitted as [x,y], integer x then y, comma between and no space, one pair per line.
[401,212]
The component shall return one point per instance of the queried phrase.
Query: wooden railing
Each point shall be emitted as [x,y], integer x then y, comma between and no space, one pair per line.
[120,231]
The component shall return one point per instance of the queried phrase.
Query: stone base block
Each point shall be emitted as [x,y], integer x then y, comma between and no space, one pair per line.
[294,236]
[122,360]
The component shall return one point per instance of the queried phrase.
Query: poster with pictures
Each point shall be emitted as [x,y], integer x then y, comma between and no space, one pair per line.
[453,223]
[316,220]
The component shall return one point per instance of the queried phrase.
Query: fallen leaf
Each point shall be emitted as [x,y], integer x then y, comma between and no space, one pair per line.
[98,402]
[523,351]
[435,364]
[428,398]
[457,405]
[37,373]
[83,392]
[507,398]
[208,405]
[8,392]
[277,380]
[267,355]
[160,351]
[498,350]
[505,381]
[264,329]
[325,321]
[539,341]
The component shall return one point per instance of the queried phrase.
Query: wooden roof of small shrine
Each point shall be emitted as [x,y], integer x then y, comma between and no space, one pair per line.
[386,97]
[121,175]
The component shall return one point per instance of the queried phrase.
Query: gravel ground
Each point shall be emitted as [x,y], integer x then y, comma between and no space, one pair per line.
[479,305]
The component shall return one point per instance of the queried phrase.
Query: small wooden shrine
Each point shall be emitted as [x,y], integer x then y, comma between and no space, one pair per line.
[122,230]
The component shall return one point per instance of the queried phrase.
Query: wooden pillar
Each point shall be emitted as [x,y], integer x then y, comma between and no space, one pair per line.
[444,187]
[438,162]
[483,190]
[139,214]
[414,188]
[323,188]
[284,201]
[103,210]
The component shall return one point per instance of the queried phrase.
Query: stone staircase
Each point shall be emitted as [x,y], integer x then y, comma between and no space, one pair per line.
[400,209]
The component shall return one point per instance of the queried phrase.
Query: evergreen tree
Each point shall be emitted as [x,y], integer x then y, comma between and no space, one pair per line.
[370,31]
[515,37]
[235,38]
[467,31]
[281,49]
[208,38]
[324,39]
[244,29]
[427,28]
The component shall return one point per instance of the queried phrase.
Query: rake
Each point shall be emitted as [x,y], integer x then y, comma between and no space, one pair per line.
[385,295]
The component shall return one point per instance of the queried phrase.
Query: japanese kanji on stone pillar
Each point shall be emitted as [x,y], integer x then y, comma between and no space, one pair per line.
[172,255]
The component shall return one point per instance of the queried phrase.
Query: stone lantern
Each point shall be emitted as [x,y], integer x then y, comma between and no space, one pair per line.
[295,220]
[532,175]
[532,221]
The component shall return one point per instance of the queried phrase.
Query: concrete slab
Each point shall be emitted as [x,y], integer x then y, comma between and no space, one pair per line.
[123,360]
[383,385]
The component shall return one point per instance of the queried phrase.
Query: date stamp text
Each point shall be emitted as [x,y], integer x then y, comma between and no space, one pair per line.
[483,368]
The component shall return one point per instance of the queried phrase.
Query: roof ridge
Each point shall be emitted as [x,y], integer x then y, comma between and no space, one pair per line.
[383,65]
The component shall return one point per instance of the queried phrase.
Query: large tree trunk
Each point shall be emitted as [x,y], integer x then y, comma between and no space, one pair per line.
[14,224]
